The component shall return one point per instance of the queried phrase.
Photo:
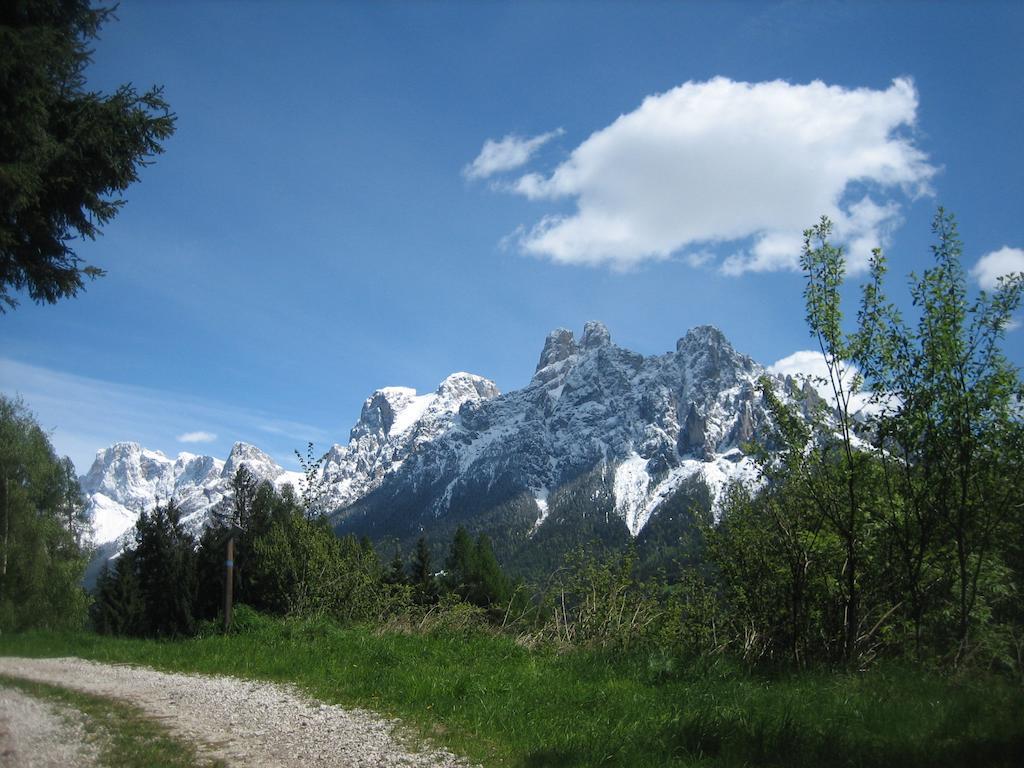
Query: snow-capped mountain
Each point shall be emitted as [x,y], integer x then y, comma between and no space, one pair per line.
[648,425]
[126,479]
[633,431]
[395,424]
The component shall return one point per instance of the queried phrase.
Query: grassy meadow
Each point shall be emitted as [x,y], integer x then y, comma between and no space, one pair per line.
[487,697]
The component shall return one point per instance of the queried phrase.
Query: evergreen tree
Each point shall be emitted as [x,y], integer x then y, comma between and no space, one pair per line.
[66,152]
[458,565]
[164,558]
[118,608]
[396,569]
[421,574]
[490,587]
[473,573]
[210,571]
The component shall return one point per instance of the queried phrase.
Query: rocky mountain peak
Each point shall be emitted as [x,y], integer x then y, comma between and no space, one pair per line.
[595,334]
[190,468]
[256,461]
[128,469]
[645,426]
[711,361]
[379,410]
[703,336]
[559,345]
[461,387]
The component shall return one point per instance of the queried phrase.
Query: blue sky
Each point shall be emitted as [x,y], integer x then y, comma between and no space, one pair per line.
[361,195]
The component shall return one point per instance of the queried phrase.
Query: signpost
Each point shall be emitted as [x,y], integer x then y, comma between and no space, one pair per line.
[229,574]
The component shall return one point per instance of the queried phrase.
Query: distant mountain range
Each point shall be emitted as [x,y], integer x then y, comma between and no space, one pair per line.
[603,442]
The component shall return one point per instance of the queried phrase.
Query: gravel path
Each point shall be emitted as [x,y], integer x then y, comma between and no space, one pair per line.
[37,734]
[242,722]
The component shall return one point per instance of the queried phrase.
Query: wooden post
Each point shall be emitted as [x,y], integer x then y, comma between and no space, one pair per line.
[7,519]
[229,580]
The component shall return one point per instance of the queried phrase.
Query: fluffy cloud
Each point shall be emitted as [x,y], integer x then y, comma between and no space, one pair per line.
[811,363]
[197,437]
[506,154]
[804,362]
[739,167]
[992,266]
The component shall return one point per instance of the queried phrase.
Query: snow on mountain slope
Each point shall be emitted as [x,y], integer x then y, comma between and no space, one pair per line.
[396,423]
[651,424]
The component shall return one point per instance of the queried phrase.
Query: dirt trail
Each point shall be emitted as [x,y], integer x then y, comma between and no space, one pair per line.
[38,734]
[242,722]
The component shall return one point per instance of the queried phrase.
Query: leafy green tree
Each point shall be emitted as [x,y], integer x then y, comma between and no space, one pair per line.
[842,499]
[304,569]
[950,430]
[66,153]
[313,484]
[769,550]
[895,527]
[42,559]
[896,522]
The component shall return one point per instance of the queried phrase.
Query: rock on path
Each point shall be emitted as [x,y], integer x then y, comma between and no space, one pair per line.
[242,722]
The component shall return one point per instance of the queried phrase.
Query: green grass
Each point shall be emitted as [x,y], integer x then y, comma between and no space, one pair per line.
[125,736]
[488,698]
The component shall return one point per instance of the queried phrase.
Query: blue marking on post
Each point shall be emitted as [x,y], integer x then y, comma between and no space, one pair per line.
[229,563]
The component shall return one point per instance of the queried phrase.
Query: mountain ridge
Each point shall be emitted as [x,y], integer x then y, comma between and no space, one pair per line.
[640,427]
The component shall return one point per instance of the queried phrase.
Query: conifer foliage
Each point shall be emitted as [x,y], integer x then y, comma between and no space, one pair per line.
[473,573]
[152,590]
[66,153]
[164,559]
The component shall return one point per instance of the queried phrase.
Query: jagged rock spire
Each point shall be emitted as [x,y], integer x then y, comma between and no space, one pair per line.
[559,345]
[595,334]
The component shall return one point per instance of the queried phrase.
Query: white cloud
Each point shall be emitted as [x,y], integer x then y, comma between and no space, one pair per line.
[747,166]
[506,154]
[810,364]
[804,362]
[992,266]
[197,437]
